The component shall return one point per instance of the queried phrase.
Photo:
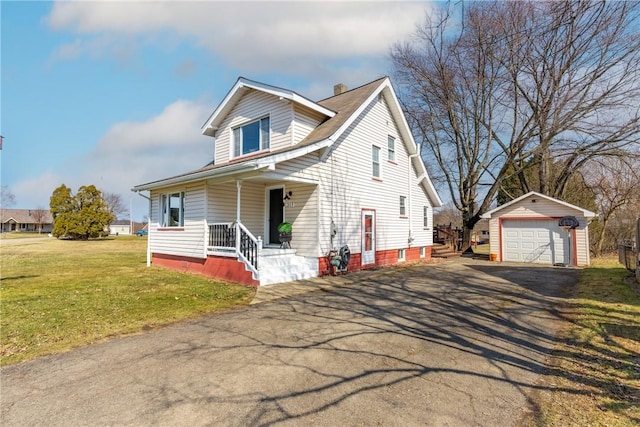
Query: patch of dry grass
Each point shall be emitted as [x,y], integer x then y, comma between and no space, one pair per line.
[594,379]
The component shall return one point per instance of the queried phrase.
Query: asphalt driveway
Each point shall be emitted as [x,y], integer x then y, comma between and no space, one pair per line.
[453,344]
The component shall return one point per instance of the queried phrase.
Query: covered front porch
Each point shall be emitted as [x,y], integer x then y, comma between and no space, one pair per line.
[243,215]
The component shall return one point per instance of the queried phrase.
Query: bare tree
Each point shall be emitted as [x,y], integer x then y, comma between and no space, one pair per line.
[574,67]
[7,198]
[448,214]
[40,215]
[616,182]
[507,86]
[114,203]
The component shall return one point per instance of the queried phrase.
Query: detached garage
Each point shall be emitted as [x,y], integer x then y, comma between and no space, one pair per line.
[539,229]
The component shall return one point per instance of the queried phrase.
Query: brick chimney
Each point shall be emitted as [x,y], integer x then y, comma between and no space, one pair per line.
[339,88]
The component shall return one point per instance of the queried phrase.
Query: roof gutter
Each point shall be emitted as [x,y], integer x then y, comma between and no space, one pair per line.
[262,163]
[197,176]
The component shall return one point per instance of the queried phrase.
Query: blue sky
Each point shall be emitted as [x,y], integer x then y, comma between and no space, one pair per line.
[114,93]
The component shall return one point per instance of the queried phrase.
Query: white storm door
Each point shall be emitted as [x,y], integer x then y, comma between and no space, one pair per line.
[368,237]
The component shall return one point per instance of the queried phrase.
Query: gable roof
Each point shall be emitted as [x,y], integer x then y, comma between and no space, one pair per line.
[341,111]
[24,216]
[240,88]
[585,212]
[345,105]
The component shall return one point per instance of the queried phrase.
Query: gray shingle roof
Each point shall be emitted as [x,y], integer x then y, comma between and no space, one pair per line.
[24,216]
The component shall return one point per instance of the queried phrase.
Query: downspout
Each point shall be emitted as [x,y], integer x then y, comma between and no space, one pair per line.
[238,194]
[148,227]
[410,239]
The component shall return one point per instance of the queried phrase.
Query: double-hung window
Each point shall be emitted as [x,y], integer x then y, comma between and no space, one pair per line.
[251,137]
[172,210]
[425,216]
[403,205]
[391,149]
[375,161]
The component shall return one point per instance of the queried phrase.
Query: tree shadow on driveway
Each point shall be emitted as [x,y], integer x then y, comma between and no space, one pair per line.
[444,344]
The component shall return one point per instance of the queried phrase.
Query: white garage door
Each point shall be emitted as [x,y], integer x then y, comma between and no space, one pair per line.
[537,241]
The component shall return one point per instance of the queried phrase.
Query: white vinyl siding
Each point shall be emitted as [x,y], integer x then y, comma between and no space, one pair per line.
[345,187]
[253,106]
[222,201]
[305,121]
[303,214]
[188,240]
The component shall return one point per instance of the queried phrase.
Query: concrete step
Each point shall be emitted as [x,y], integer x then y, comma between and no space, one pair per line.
[285,267]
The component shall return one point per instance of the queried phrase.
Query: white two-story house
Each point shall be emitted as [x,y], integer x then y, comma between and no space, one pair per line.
[343,171]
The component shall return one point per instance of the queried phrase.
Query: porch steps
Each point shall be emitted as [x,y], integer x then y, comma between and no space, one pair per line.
[439,250]
[283,265]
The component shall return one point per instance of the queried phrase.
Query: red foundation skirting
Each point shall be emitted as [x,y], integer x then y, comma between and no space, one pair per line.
[213,266]
[388,257]
[230,269]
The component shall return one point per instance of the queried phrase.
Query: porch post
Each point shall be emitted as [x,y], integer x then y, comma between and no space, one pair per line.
[238,194]
[239,187]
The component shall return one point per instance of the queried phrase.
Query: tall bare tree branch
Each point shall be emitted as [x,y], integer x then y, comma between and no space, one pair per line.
[514,85]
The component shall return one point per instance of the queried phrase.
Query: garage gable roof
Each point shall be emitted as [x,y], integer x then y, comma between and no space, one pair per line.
[585,212]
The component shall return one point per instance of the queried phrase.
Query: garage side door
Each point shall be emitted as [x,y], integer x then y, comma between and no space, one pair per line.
[536,241]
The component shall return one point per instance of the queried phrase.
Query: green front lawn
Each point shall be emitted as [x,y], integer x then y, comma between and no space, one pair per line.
[21,235]
[57,295]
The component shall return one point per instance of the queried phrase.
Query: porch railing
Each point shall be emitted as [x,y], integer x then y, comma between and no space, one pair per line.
[233,237]
[222,236]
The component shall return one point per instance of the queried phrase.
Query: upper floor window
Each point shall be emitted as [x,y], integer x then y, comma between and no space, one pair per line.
[425,216]
[172,210]
[375,161]
[391,149]
[251,137]
[403,205]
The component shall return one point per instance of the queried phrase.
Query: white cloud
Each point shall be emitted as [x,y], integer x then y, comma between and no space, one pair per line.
[253,36]
[131,153]
[177,126]
[35,192]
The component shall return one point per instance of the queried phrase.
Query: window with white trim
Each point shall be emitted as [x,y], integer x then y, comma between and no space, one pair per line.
[375,161]
[402,255]
[172,210]
[391,149]
[423,251]
[403,205]
[251,137]
[425,216]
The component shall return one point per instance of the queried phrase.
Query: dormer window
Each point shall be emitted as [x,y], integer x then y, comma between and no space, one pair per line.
[252,137]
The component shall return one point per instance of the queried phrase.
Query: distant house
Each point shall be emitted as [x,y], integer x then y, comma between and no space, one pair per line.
[481,231]
[342,171]
[120,226]
[26,220]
